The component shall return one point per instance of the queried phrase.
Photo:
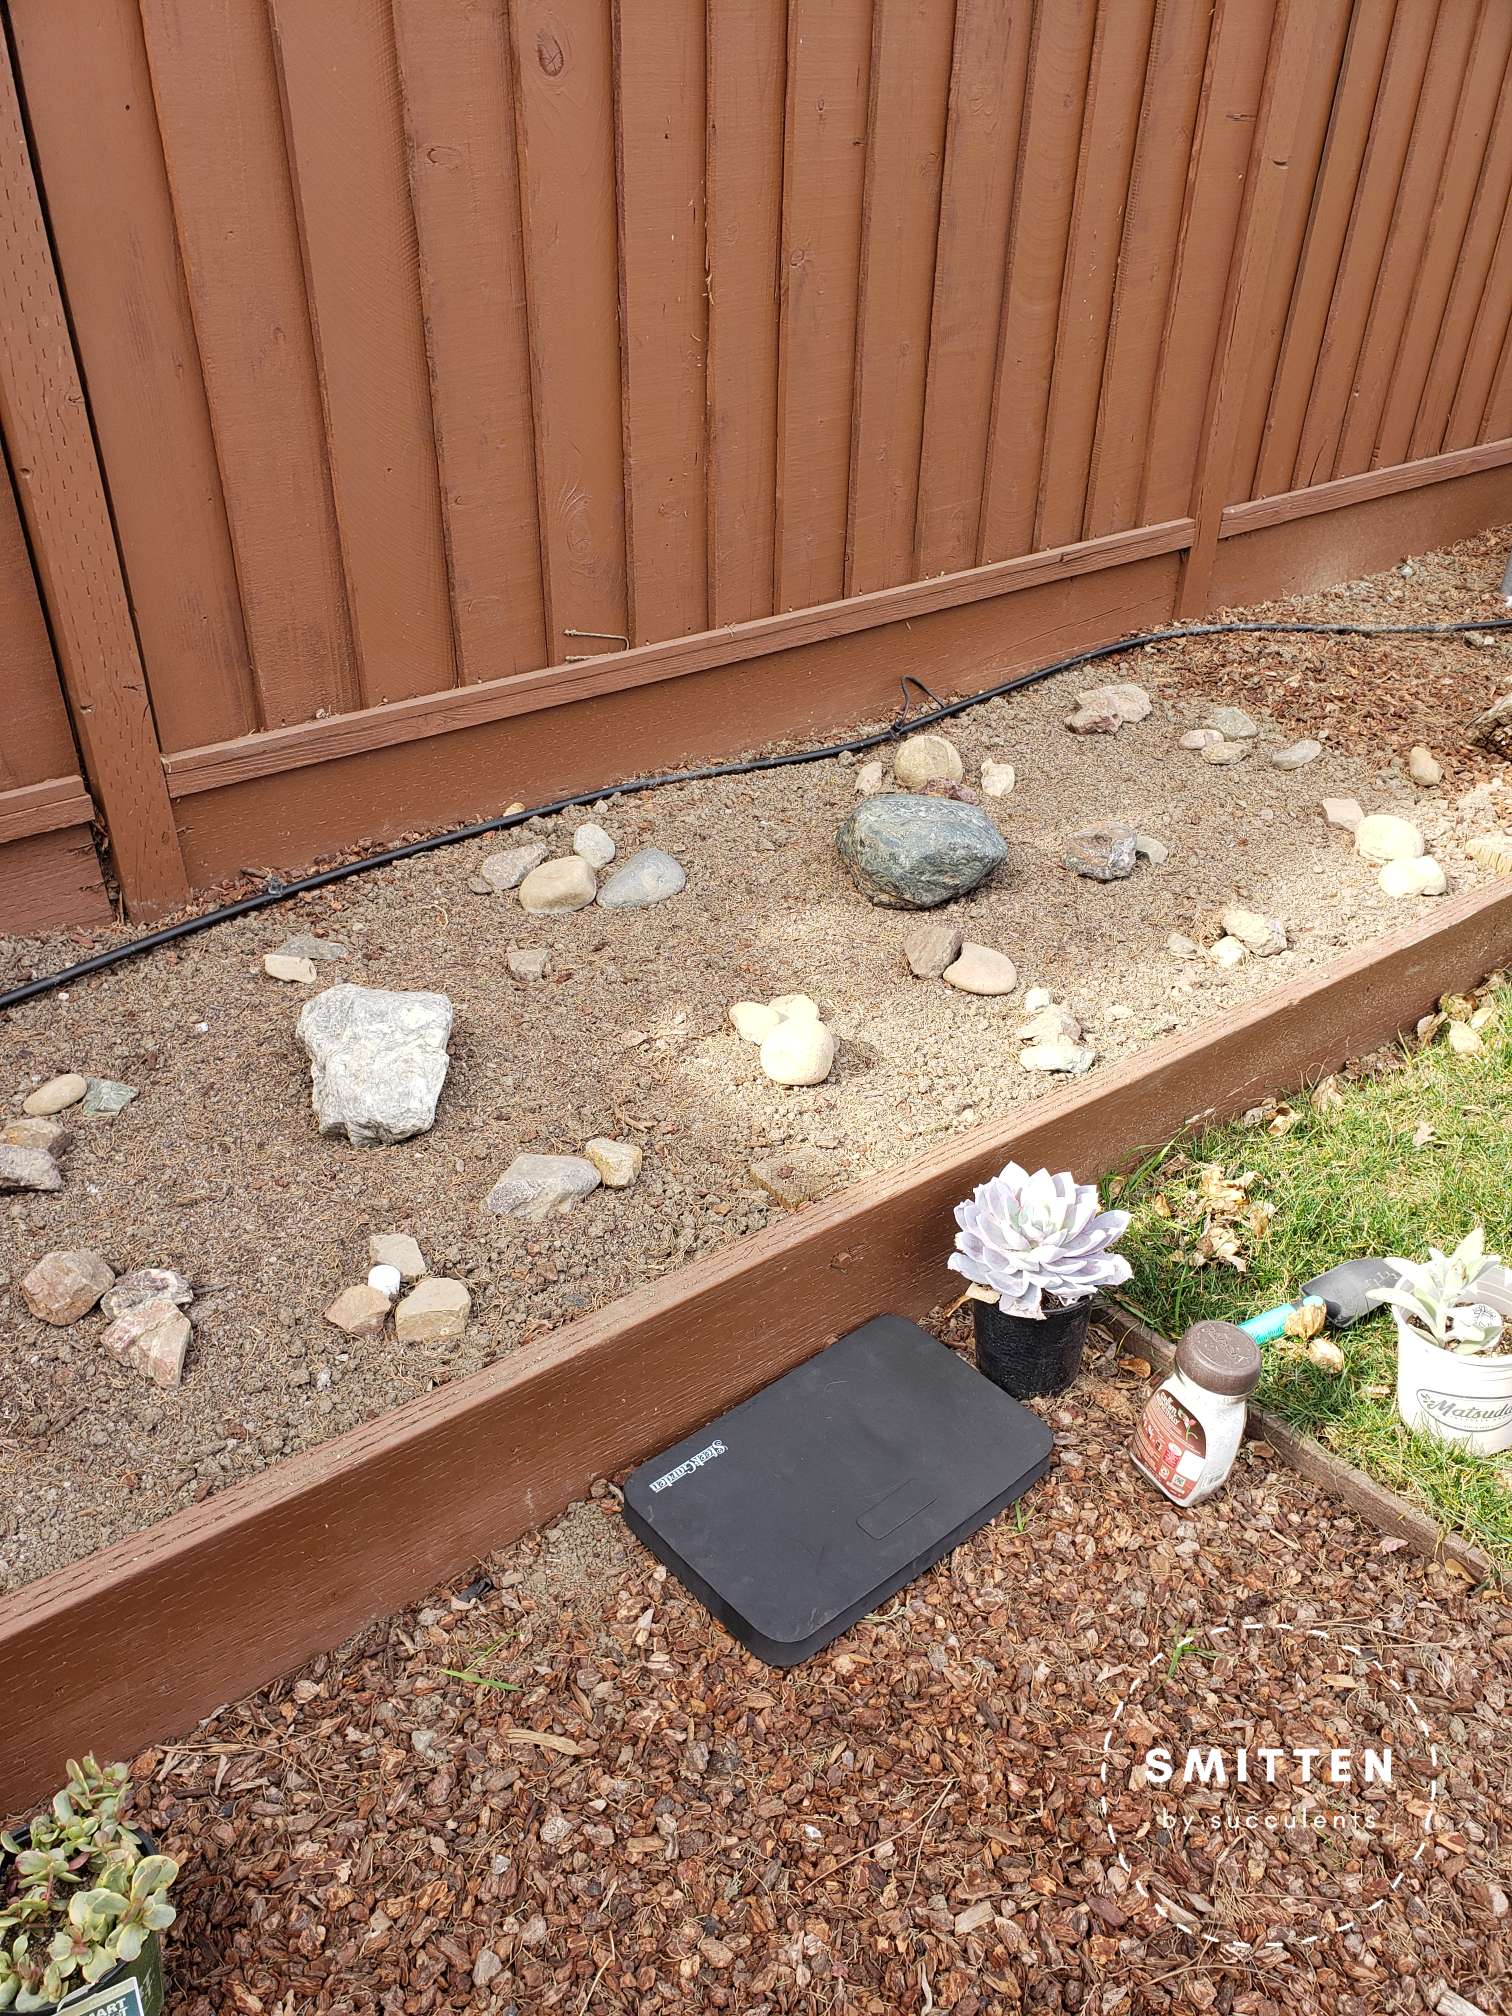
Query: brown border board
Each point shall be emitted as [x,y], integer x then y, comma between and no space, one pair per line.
[141,1640]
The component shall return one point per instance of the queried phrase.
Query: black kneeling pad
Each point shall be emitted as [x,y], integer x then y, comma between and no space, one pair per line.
[811,1503]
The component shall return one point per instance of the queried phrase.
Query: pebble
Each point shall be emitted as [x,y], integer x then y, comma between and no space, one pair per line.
[107,1096]
[1415,876]
[1051,1023]
[57,1095]
[359,1312]
[753,1020]
[38,1130]
[146,1284]
[1037,998]
[797,1176]
[561,885]
[1223,755]
[1228,953]
[1345,813]
[386,1280]
[151,1338]
[648,877]
[1233,724]
[913,853]
[802,1005]
[1297,755]
[869,779]
[435,1309]
[981,970]
[617,1162]
[486,1968]
[534,1185]
[1102,853]
[1132,701]
[1201,738]
[397,1249]
[1423,768]
[799,1051]
[500,873]
[527,962]
[1058,1055]
[28,1169]
[593,843]
[1097,713]
[1257,933]
[998,779]
[1182,947]
[305,945]
[930,948]
[66,1285]
[1148,848]
[279,966]
[1384,837]
[921,757]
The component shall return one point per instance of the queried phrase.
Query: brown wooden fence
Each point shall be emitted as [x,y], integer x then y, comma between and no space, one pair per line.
[486,398]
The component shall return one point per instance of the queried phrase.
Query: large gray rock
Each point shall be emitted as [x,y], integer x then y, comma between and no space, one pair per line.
[377,1061]
[911,853]
[650,876]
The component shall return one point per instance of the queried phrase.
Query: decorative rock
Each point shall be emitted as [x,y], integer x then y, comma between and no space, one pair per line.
[436,1309]
[1058,1055]
[534,1185]
[1345,813]
[1148,848]
[802,1005]
[1233,724]
[1102,853]
[28,1169]
[594,844]
[868,779]
[796,1176]
[64,1286]
[37,1131]
[565,884]
[56,1095]
[799,1051]
[385,1280]
[1229,953]
[1424,769]
[527,962]
[980,970]
[922,757]
[1181,947]
[279,966]
[377,1060]
[912,853]
[1131,701]
[107,1096]
[1052,1023]
[1097,713]
[753,1020]
[360,1311]
[1384,837]
[1421,876]
[305,945]
[617,1162]
[1035,999]
[1201,738]
[648,877]
[1223,755]
[397,1249]
[507,870]
[1264,936]
[146,1284]
[1297,755]
[930,948]
[151,1338]
[998,779]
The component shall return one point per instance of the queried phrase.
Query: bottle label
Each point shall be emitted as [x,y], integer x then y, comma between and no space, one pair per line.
[1170,1445]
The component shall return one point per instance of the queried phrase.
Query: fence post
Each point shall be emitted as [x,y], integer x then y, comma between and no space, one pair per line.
[62,495]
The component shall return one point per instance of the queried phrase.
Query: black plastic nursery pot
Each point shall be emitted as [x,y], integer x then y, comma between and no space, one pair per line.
[135,1988]
[1030,1355]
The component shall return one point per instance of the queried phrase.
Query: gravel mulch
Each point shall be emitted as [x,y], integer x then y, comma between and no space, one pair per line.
[216,1168]
[634,1815]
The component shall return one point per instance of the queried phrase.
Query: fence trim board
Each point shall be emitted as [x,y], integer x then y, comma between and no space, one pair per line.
[1342,491]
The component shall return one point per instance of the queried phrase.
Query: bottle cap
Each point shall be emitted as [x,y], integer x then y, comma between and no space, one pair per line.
[1220,1357]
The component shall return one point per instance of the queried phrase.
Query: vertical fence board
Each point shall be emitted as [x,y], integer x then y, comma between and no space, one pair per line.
[824,165]
[988,71]
[1110,124]
[659,66]
[1042,205]
[1146,263]
[459,118]
[1496,423]
[1441,116]
[564,121]
[1477,378]
[216,93]
[346,146]
[36,743]
[112,221]
[746,66]
[901,213]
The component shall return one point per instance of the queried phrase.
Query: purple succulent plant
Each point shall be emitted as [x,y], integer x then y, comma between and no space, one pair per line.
[1033,1236]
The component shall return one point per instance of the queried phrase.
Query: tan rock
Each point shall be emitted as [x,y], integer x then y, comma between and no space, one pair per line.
[795,1176]
[435,1309]
[360,1311]
[1228,953]
[1419,876]
[28,1169]
[1424,768]
[753,1020]
[803,1006]
[1384,837]
[57,1094]
[981,970]
[921,757]
[39,1130]
[284,966]
[930,948]
[799,1051]
[397,1249]
[1257,933]
[151,1337]
[1345,813]
[565,884]
[618,1162]
[869,780]
[998,779]
[66,1285]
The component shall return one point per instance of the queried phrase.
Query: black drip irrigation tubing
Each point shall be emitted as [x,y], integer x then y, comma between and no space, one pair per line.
[278,891]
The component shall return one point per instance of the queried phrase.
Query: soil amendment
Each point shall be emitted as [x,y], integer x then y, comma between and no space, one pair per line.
[216,1168]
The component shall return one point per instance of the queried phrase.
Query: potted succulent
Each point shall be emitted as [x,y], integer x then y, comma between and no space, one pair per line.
[83,1904]
[1035,1249]
[1454,1352]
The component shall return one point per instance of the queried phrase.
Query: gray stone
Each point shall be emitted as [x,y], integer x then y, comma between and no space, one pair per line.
[649,876]
[377,1061]
[107,1095]
[1102,853]
[911,853]
[528,962]
[1233,724]
[501,872]
[28,1169]
[930,948]
[1223,755]
[1297,755]
[146,1284]
[1148,848]
[486,1968]
[64,1286]
[305,945]
[534,1185]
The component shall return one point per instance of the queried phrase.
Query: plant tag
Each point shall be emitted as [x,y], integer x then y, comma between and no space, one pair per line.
[125,1999]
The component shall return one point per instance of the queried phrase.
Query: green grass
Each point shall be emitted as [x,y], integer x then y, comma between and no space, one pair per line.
[1347,1183]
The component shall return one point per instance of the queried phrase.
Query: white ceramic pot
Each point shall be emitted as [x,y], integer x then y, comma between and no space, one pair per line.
[1458,1398]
